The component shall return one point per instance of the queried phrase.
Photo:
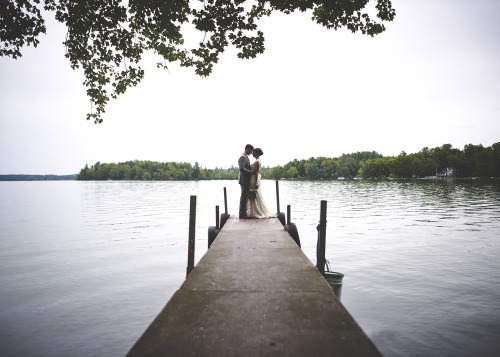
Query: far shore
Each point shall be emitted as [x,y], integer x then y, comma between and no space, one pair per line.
[15,177]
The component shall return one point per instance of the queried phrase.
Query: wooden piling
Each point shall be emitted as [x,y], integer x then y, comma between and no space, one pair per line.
[288,214]
[192,228]
[277,197]
[217,223]
[225,201]
[320,254]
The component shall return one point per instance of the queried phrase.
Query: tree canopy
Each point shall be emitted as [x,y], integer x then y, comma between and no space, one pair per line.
[107,38]
[156,171]
[472,161]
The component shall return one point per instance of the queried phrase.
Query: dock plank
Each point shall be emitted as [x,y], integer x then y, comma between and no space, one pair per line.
[254,293]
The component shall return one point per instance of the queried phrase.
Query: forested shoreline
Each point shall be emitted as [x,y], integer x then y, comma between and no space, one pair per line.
[472,161]
[156,171]
[37,177]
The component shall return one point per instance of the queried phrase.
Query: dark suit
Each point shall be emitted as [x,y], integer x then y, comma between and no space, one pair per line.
[244,181]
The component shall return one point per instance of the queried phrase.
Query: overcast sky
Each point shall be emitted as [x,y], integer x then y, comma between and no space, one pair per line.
[432,78]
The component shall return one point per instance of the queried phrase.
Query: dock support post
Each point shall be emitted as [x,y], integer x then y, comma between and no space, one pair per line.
[225,200]
[225,216]
[280,215]
[192,228]
[320,250]
[217,217]
[290,227]
[277,197]
[213,231]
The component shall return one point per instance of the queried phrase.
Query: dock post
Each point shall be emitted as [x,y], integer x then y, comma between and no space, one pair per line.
[290,227]
[225,216]
[320,250]
[277,197]
[213,231]
[280,215]
[192,228]
[225,200]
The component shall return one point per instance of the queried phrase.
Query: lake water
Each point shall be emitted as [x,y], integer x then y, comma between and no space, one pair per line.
[86,266]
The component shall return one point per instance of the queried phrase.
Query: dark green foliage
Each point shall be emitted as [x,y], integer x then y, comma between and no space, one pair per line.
[346,166]
[37,177]
[473,161]
[20,24]
[157,171]
[107,38]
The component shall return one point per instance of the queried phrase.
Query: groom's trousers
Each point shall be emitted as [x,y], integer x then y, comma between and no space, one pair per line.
[243,200]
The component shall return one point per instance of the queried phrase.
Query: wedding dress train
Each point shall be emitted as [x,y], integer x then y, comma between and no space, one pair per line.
[257,207]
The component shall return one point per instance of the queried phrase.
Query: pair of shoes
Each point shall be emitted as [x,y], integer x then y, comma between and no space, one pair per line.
[243,217]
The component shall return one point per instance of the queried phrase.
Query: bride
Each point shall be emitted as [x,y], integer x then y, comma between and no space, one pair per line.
[256,205]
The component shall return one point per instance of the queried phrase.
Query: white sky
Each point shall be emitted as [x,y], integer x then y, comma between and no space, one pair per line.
[432,78]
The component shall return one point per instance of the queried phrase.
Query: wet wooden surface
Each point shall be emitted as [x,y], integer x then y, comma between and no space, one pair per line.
[254,293]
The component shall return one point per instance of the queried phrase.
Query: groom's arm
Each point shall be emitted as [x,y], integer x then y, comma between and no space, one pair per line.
[241,165]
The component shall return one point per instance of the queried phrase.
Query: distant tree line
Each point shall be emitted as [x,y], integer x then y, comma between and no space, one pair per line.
[36,177]
[347,166]
[472,161]
[152,170]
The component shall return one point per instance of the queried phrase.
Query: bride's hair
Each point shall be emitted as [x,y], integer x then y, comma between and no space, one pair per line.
[258,151]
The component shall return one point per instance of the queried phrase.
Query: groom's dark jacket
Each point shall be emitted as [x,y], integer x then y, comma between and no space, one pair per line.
[245,170]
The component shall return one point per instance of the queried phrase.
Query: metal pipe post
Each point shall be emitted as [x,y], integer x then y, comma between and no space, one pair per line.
[192,228]
[217,217]
[288,214]
[277,196]
[320,254]
[225,200]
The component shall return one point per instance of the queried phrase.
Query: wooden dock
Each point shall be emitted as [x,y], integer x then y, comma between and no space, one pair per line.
[254,293]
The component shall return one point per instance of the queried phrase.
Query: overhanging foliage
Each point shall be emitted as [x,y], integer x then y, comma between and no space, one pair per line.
[107,38]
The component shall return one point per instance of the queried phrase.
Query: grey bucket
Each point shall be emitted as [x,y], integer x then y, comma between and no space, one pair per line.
[335,281]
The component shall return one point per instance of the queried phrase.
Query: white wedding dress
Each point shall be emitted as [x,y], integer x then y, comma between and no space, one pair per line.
[257,207]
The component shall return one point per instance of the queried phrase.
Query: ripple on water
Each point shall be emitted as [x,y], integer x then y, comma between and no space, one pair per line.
[97,261]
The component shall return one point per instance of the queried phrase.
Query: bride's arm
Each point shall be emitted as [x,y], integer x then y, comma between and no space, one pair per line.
[256,170]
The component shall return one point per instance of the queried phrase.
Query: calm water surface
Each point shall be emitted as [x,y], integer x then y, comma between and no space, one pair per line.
[86,266]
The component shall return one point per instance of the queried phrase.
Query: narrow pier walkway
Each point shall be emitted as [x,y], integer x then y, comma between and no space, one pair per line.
[254,293]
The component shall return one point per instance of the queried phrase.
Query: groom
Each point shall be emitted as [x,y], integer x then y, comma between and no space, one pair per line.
[244,178]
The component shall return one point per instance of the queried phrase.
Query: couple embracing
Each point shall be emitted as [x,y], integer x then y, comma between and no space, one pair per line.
[252,204]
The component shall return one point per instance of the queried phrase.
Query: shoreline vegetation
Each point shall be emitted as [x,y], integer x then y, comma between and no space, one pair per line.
[444,161]
[38,177]
[474,161]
